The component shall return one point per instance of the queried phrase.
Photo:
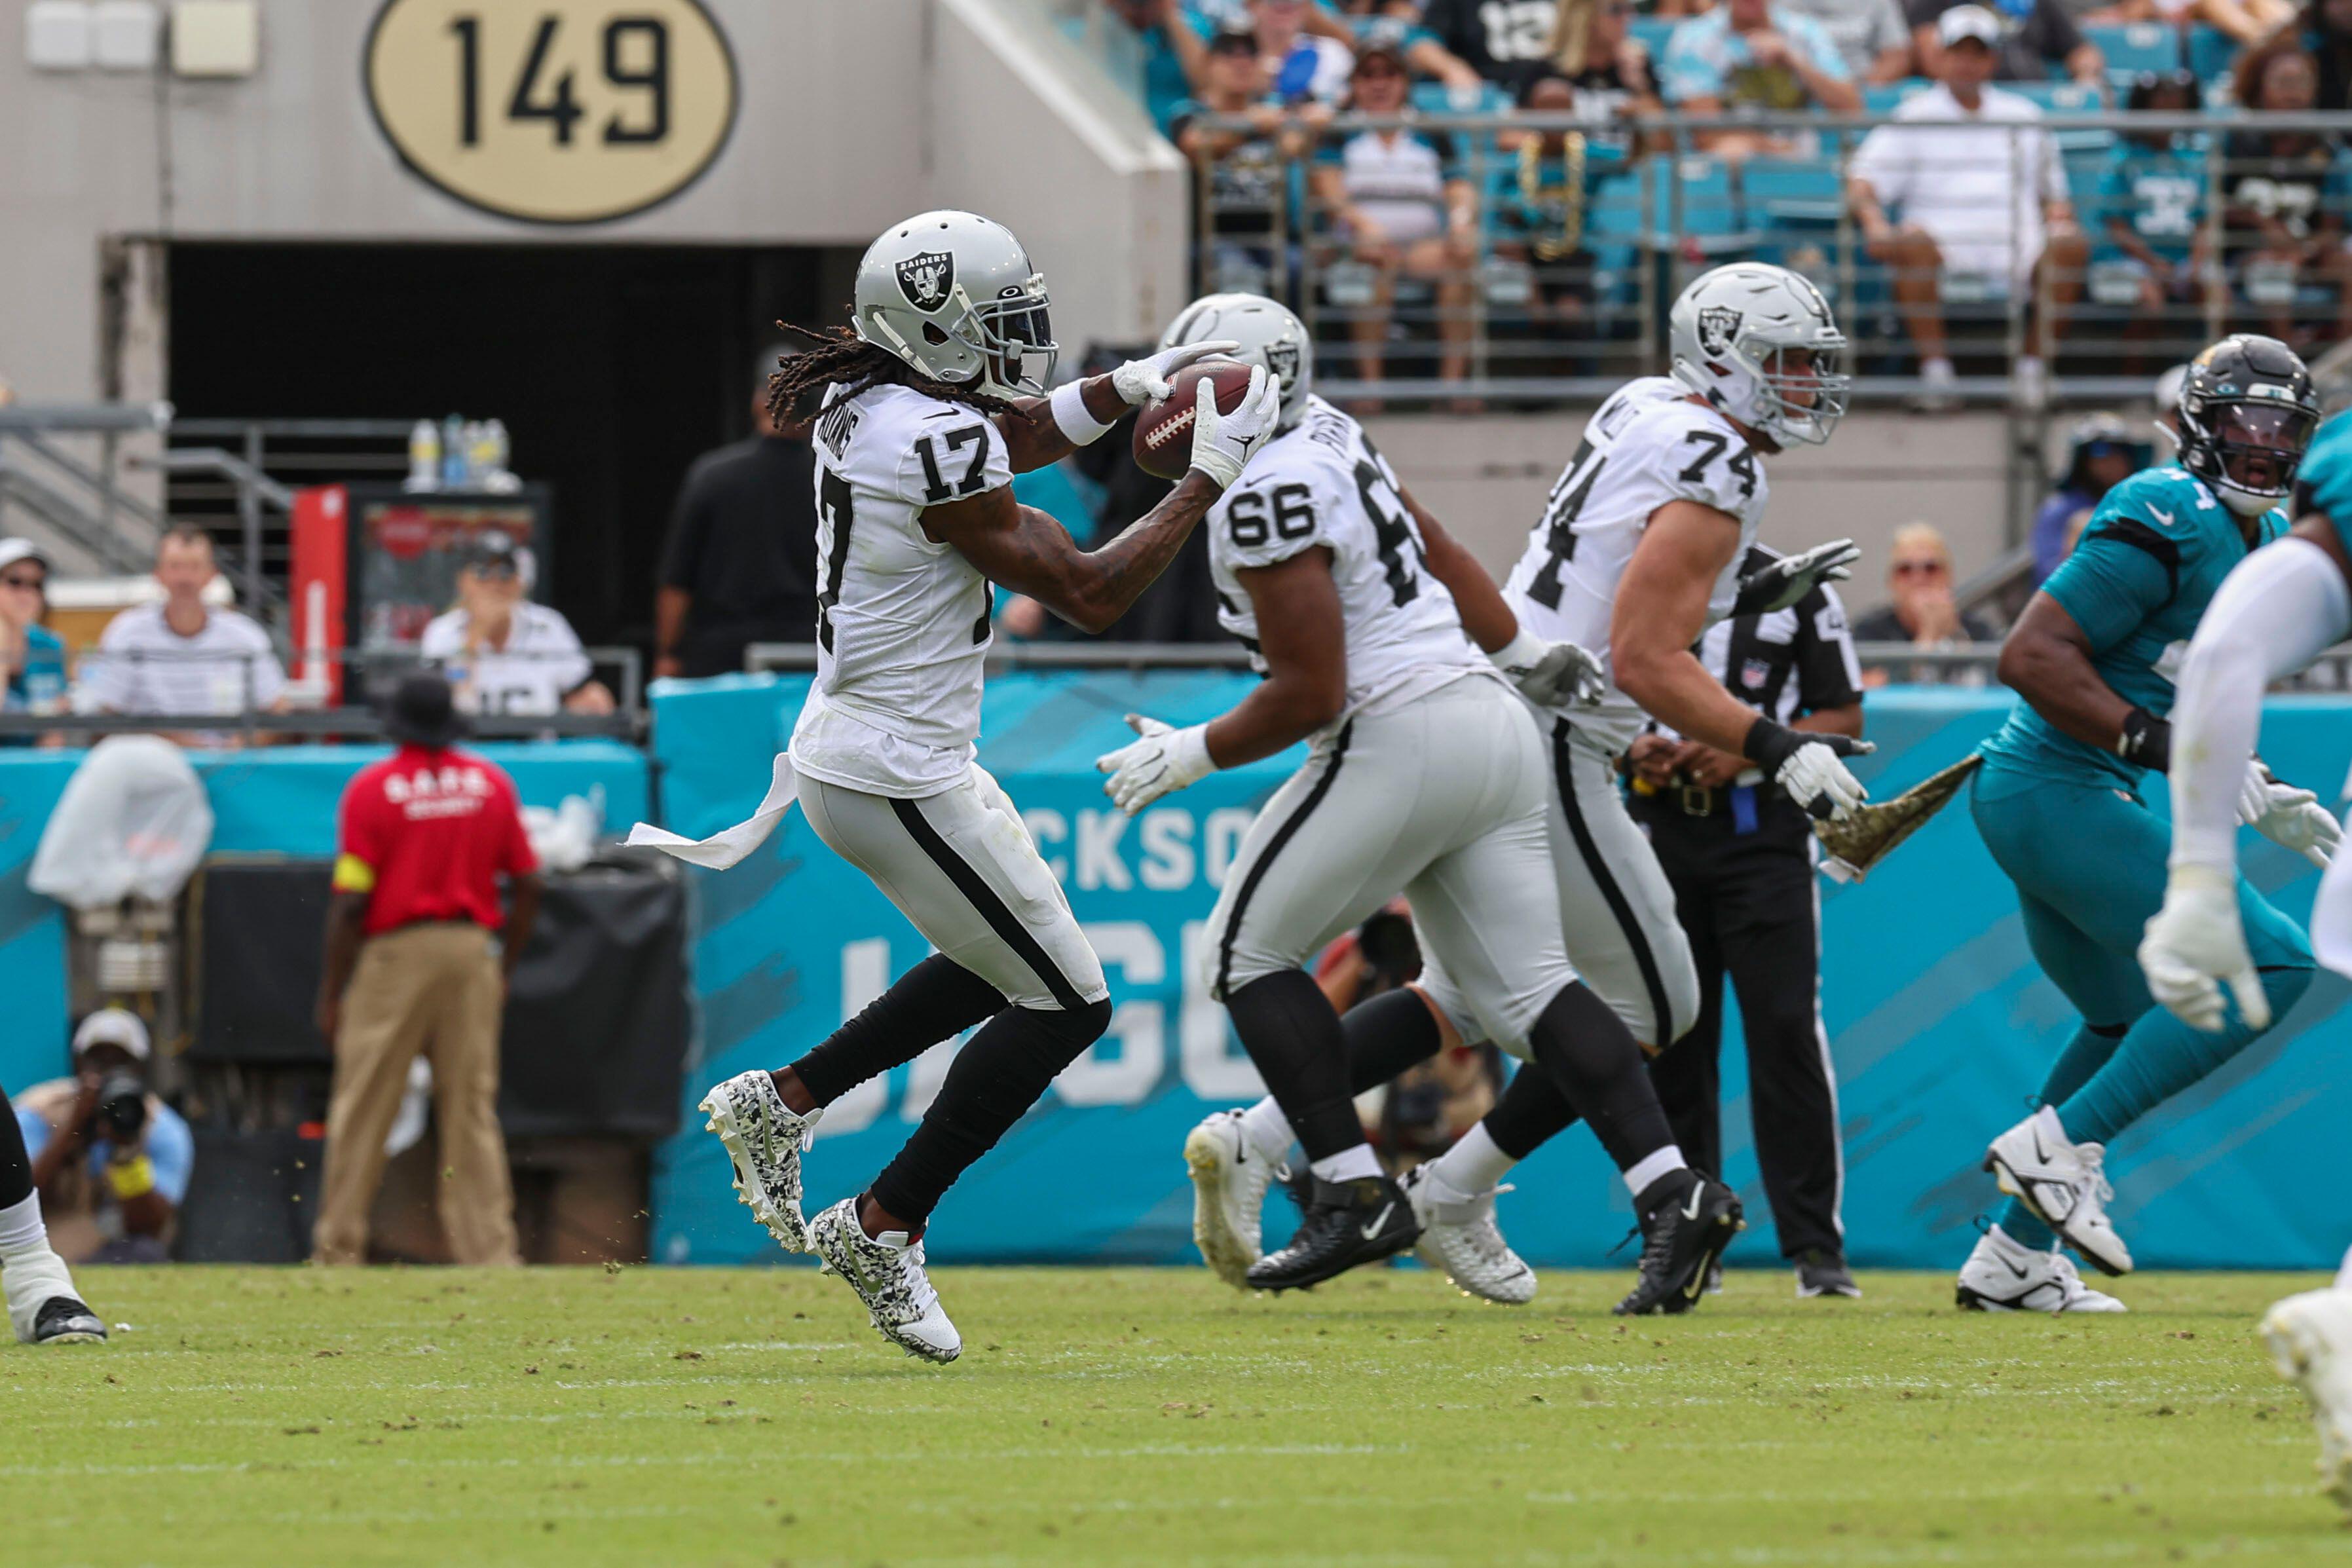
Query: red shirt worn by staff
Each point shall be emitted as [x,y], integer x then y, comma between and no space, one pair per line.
[426,835]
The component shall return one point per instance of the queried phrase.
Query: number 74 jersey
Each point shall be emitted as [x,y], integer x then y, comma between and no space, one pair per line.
[1320,483]
[1648,444]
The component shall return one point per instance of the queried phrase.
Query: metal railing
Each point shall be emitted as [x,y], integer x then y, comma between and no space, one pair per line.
[65,464]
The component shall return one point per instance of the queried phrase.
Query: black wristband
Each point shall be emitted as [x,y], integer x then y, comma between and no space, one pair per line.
[1769,745]
[2146,740]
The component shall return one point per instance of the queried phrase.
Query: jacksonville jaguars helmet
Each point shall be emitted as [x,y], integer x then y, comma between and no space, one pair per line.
[953,295]
[2247,412]
[1268,334]
[1749,338]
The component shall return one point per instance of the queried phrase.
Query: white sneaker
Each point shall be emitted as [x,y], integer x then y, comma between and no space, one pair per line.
[764,1140]
[2310,1341]
[1460,1239]
[887,1272]
[2004,1274]
[2063,1185]
[1938,387]
[2028,384]
[1229,1182]
[42,1306]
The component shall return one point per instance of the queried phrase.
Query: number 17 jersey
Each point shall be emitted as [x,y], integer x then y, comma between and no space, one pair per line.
[1650,444]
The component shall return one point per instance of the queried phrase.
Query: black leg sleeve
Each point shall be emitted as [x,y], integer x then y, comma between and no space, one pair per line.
[935,1000]
[1790,1086]
[1394,1031]
[16,1165]
[994,1081]
[1531,1111]
[1689,1077]
[1288,1027]
[1593,1058]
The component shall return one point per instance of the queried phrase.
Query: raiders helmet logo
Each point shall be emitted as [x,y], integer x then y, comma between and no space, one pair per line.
[1717,326]
[927,278]
[1281,361]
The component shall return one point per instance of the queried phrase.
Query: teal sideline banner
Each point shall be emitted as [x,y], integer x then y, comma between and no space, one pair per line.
[272,800]
[1939,1023]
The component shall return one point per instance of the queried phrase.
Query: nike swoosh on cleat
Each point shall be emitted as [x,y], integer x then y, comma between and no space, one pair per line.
[1372,1231]
[1698,1195]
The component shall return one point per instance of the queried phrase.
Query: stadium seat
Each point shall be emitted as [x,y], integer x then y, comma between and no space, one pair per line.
[1777,193]
[2135,48]
[1692,200]
[1885,97]
[1437,97]
[2211,53]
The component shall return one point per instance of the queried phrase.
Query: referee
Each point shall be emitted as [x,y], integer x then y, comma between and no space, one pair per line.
[1739,855]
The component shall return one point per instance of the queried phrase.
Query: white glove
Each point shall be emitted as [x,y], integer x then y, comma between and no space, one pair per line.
[1223,443]
[1791,578]
[1816,779]
[1551,673]
[1165,761]
[1142,381]
[2195,946]
[2289,818]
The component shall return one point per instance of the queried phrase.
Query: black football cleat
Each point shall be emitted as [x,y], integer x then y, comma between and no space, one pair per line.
[1820,1272]
[1347,1223]
[62,1320]
[1687,1222]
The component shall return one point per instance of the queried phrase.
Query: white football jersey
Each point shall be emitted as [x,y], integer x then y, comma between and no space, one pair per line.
[1321,482]
[902,620]
[541,664]
[1648,444]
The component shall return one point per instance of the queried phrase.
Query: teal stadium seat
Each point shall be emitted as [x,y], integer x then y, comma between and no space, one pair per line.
[2211,53]
[2135,48]
[1708,214]
[1885,98]
[1782,193]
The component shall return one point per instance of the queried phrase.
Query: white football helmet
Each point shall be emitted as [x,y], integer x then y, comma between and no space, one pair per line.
[1748,337]
[1268,334]
[953,295]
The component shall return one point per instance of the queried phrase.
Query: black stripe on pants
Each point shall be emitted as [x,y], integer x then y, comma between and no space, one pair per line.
[992,908]
[1563,763]
[1747,902]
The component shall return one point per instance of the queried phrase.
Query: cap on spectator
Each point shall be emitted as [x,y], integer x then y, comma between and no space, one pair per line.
[1969,22]
[1232,39]
[423,712]
[112,1026]
[1379,45]
[492,549]
[15,549]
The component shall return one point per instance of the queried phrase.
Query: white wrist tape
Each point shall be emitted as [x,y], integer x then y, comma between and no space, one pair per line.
[1070,416]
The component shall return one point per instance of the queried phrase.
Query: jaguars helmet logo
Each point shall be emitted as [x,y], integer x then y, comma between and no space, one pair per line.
[927,279]
[1718,325]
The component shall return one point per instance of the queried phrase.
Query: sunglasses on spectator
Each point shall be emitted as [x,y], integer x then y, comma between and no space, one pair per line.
[37,581]
[1921,568]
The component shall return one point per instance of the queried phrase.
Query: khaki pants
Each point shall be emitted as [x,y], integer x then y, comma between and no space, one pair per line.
[435,989]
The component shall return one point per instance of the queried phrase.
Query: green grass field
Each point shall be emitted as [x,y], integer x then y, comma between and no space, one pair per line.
[253,1417]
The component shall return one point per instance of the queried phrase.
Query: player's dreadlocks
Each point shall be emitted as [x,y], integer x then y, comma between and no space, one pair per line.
[841,355]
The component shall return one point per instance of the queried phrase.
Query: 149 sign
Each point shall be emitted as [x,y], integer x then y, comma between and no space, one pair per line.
[553,111]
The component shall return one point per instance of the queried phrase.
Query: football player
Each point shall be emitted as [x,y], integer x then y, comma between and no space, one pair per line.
[925,408]
[2057,801]
[42,1306]
[1427,774]
[2274,616]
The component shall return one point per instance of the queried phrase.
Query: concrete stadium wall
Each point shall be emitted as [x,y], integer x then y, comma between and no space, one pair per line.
[852,113]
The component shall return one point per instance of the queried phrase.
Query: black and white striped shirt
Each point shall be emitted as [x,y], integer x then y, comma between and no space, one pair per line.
[1788,663]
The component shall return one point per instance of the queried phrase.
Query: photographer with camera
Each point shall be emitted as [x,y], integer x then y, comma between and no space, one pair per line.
[110,1160]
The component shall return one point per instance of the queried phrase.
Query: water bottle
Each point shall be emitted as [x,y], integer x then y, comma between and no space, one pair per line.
[423,457]
[501,479]
[453,453]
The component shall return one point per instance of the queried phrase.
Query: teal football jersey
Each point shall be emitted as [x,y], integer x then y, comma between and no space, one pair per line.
[2150,560]
[2323,483]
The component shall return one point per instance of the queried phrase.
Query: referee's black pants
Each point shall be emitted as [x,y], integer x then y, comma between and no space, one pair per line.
[1748,902]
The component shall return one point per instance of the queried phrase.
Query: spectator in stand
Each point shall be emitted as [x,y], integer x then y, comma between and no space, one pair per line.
[182,656]
[1872,36]
[2326,32]
[2032,37]
[1754,56]
[2284,195]
[1986,198]
[2151,202]
[110,1160]
[1540,213]
[503,653]
[1248,170]
[1923,612]
[740,563]
[1304,64]
[414,964]
[1505,41]
[1606,69]
[1400,202]
[1398,22]
[2100,454]
[34,655]
[1168,32]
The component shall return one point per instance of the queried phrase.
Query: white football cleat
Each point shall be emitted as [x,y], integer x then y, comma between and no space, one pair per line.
[2310,1341]
[42,1307]
[764,1139]
[1229,1182]
[1460,1239]
[2004,1274]
[2063,1185]
[888,1275]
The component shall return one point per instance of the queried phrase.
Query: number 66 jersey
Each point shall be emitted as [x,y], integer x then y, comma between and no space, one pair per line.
[1650,444]
[1320,482]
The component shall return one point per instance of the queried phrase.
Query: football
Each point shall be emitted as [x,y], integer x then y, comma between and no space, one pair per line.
[1164,431]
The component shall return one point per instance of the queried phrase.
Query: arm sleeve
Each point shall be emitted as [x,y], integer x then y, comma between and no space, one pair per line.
[1828,675]
[2123,569]
[172,1150]
[2280,609]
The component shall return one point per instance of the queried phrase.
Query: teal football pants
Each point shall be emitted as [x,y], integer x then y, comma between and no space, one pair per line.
[2089,865]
